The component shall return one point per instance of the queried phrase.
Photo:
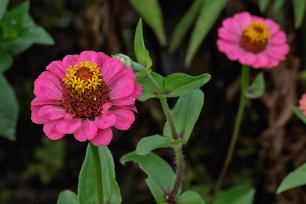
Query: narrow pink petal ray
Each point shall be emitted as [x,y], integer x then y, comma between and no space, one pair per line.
[125,118]
[86,131]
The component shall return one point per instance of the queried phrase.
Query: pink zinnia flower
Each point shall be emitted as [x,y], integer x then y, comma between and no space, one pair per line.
[302,104]
[252,40]
[85,95]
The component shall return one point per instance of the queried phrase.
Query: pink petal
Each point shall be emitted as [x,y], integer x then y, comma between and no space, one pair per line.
[274,27]
[232,26]
[121,89]
[248,59]
[94,57]
[39,102]
[110,68]
[52,112]
[278,39]
[225,46]
[70,60]
[272,62]
[262,61]
[277,52]
[224,34]
[51,132]
[68,125]
[57,68]
[125,118]
[243,19]
[34,116]
[103,137]
[48,86]
[130,100]
[86,131]
[105,121]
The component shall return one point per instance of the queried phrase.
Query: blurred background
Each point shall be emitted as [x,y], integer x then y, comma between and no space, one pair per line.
[34,170]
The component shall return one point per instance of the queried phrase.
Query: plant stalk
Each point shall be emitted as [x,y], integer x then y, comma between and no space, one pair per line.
[179,156]
[98,171]
[242,104]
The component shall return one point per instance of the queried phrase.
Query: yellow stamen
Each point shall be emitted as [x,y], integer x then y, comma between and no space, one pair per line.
[257,31]
[82,76]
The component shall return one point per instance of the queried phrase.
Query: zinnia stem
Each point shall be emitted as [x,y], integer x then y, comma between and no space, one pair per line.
[169,118]
[242,103]
[178,149]
[98,171]
[180,167]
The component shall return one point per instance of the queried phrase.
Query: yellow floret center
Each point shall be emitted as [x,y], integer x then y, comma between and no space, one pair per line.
[83,76]
[257,31]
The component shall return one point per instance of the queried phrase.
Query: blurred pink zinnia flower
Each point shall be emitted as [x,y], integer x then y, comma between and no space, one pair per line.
[302,104]
[85,95]
[252,40]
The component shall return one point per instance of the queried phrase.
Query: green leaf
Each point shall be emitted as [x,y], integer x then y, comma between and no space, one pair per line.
[299,113]
[3,7]
[67,197]
[237,195]
[190,197]
[12,22]
[149,89]
[6,60]
[151,13]
[148,144]
[257,88]
[208,15]
[299,12]
[161,177]
[87,181]
[186,113]
[263,5]
[8,110]
[180,84]
[142,54]
[277,5]
[30,34]
[184,25]
[294,179]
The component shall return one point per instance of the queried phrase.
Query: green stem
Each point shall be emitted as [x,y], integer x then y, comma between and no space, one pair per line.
[169,118]
[180,167]
[98,171]
[242,103]
[179,156]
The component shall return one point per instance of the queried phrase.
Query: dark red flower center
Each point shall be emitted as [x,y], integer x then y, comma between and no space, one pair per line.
[85,91]
[255,37]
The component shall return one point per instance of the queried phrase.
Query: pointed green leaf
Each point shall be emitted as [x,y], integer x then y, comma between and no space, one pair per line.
[149,89]
[8,110]
[148,144]
[151,13]
[208,15]
[30,34]
[263,5]
[4,4]
[190,197]
[87,180]
[257,88]
[184,25]
[294,179]
[13,21]
[180,84]
[6,60]
[186,113]
[299,113]
[67,197]
[277,5]
[142,54]
[299,7]
[236,195]
[161,177]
